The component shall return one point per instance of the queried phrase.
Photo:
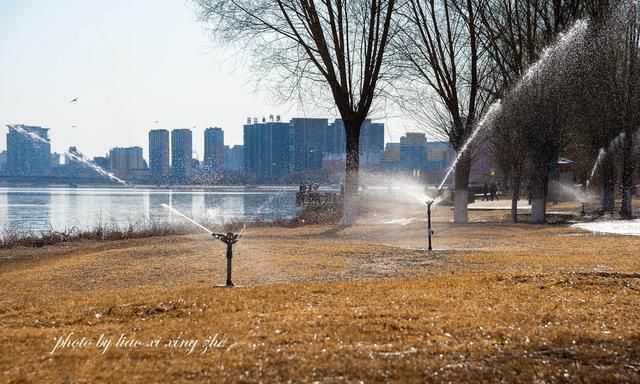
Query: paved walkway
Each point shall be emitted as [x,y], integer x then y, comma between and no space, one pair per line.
[501,204]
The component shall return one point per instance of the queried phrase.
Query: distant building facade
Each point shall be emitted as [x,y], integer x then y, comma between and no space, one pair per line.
[234,158]
[3,162]
[102,161]
[371,146]
[214,150]
[413,152]
[440,156]
[391,157]
[159,154]
[181,154]
[415,156]
[335,140]
[371,137]
[268,149]
[309,143]
[28,151]
[125,162]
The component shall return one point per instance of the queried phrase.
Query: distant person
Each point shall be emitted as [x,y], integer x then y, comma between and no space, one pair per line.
[485,192]
[529,191]
[494,191]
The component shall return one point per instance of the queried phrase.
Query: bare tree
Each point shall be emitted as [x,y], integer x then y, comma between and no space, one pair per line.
[606,84]
[598,116]
[630,76]
[440,50]
[334,47]
[515,33]
[511,35]
[507,148]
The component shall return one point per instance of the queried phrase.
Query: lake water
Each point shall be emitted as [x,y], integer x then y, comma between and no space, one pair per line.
[37,209]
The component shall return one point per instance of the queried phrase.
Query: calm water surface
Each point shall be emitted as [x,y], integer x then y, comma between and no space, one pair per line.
[37,209]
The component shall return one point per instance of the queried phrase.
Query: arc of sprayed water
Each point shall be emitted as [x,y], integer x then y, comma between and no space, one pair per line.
[76,156]
[493,110]
[95,167]
[578,29]
[564,39]
[30,135]
[601,154]
[188,218]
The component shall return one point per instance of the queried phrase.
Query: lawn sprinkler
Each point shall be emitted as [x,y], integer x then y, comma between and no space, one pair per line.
[230,238]
[429,202]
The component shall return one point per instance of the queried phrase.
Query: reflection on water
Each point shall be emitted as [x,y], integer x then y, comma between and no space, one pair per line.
[23,210]
[39,209]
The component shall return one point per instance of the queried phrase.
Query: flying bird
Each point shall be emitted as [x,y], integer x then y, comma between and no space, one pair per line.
[75,99]
[156,122]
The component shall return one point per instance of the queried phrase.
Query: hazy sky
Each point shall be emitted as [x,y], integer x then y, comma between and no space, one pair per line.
[129,63]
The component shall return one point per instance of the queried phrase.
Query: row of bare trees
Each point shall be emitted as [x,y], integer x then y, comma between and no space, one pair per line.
[576,106]
[447,61]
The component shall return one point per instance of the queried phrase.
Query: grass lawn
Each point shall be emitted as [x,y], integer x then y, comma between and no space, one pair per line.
[494,302]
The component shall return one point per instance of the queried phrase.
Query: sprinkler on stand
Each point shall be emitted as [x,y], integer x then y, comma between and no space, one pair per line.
[429,202]
[230,238]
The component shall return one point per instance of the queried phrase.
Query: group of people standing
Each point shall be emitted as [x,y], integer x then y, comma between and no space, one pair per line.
[489,192]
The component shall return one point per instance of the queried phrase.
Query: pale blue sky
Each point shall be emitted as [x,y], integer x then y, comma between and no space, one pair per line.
[130,63]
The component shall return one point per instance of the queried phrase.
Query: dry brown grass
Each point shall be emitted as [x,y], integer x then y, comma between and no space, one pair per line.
[495,302]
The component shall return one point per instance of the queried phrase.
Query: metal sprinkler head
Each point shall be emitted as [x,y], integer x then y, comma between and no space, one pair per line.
[430,232]
[230,238]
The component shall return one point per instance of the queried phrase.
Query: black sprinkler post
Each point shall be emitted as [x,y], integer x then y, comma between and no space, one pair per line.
[429,221]
[228,239]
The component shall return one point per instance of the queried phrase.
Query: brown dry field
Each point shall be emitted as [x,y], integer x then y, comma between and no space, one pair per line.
[495,302]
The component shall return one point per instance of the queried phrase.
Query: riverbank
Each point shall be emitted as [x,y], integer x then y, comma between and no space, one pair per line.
[495,301]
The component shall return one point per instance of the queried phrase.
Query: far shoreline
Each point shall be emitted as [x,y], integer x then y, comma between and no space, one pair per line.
[161,187]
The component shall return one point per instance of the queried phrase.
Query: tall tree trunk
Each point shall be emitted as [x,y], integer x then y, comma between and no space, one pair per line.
[627,176]
[608,196]
[539,182]
[515,196]
[349,205]
[461,188]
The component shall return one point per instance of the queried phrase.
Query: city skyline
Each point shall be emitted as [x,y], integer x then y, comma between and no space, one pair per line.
[127,71]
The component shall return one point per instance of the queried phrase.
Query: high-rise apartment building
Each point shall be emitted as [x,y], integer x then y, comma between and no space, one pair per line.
[371,146]
[371,137]
[413,151]
[159,154]
[234,158]
[309,143]
[214,150]
[273,148]
[28,151]
[181,154]
[440,155]
[268,149]
[335,141]
[123,161]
